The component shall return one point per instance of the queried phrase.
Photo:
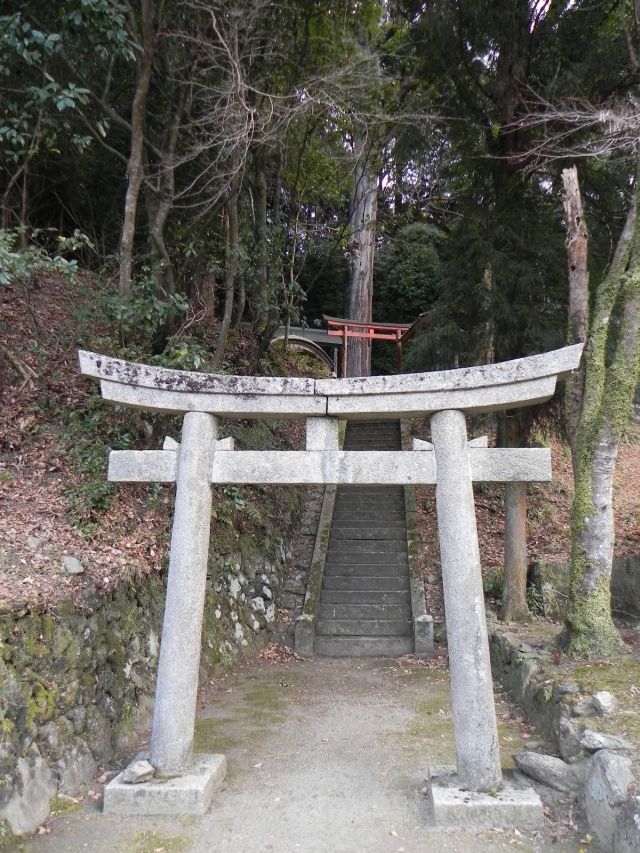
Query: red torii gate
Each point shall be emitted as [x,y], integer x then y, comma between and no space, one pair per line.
[346,329]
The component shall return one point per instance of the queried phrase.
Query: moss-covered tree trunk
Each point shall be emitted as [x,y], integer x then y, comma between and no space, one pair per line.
[611,374]
[578,268]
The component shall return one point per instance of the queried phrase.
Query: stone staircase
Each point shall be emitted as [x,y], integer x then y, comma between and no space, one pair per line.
[365,603]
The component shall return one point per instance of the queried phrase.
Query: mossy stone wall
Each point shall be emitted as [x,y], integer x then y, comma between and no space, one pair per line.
[77,683]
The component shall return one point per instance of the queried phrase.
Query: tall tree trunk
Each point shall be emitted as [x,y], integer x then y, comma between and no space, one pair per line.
[262,249]
[163,203]
[359,293]
[577,259]
[165,195]
[514,588]
[6,196]
[135,166]
[612,367]
[231,269]
[241,301]
[24,206]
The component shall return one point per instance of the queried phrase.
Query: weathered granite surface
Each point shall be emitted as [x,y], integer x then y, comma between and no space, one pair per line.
[474,719]
[522,381]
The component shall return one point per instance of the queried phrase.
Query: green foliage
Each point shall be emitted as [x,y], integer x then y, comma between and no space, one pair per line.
[492,583]
[409,273]
[184,352]
[88,433]
[17,262]
[535,600]
[142,314]
[236,508]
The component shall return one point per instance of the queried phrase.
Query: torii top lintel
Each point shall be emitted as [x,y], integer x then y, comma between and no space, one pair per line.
[507,385]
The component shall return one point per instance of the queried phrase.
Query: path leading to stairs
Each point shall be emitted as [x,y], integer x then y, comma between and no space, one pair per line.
[324,756]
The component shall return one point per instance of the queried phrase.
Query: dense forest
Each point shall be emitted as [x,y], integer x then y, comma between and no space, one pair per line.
[226,165]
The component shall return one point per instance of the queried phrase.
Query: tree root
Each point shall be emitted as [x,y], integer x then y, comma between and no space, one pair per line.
[20,366]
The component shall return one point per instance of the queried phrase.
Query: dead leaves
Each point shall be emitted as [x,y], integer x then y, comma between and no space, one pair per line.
[275,653]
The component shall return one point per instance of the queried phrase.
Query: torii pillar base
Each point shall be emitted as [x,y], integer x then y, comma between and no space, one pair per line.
[516,805]
[189,793]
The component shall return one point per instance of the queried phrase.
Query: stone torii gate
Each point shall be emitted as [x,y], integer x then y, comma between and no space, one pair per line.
[200,460]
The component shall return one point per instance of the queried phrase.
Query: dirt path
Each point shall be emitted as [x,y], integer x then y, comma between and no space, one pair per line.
[324,756]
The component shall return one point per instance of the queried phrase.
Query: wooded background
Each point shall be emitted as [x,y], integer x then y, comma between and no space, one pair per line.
[219,163]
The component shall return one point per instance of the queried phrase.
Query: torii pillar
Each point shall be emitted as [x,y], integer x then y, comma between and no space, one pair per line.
[474,719]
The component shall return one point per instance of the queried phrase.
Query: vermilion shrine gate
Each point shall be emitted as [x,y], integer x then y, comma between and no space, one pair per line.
[183,784]
[348,330]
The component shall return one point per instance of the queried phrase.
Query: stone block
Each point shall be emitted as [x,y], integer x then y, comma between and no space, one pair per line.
[75,768]
[605,702]
[305,635]
[608,780]
[190,792]
[548,770]
[594,741]
[569,739]
[627,836]
[423,635]
[516,805]
[28,805]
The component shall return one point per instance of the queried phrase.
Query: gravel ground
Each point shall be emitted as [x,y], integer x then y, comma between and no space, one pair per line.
[324,756]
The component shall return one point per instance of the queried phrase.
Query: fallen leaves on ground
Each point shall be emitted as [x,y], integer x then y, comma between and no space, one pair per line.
[275,653]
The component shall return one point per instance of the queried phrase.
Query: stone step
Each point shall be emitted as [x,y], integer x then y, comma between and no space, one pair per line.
[361,534]
[369,490]
[366,546]
[365,584]
[355,429]
[358,428]
[366,516]
[363,570]
[355,520]
[370,497]
[375,488]
[377,611]
[381,443]
[399,562]
[365,596]
[396,562]
[361,647]
[363,628]
[374,492]
[381,497]
[370,511]
[391,565]
[365,502]
[377,423]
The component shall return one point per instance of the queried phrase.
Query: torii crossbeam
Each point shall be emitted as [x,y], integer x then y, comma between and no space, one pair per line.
[452,463]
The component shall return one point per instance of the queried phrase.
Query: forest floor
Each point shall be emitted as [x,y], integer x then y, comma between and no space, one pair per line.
[324,756]
[55,434]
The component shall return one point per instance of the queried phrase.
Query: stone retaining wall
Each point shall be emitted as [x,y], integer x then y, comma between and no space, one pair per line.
[603,765]
[295,584]
[76,684]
